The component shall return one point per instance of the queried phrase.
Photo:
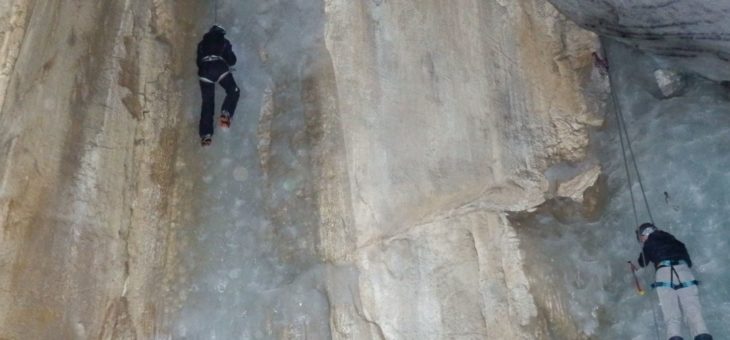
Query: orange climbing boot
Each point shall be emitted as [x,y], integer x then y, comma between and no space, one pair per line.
[225,121]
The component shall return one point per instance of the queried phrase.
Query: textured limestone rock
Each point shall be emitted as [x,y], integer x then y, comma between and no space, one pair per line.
[450,278]
[447,116]
[693,34]
[575,187]
[13,20]
[88,133]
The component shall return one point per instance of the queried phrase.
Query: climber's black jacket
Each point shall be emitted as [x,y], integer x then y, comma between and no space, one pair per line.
[214,44]
[662,246]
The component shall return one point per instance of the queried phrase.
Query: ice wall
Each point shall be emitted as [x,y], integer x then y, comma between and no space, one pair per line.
[679,144]
[249,268]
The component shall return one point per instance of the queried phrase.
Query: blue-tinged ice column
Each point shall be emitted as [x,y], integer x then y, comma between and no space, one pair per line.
[251,271]
[682,148]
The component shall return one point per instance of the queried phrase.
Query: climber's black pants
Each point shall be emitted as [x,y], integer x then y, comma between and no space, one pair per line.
[207,113]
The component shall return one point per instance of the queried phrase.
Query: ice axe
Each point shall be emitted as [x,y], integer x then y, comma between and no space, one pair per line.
[637,284]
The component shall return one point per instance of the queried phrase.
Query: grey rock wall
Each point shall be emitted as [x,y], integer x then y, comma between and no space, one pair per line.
[693,34]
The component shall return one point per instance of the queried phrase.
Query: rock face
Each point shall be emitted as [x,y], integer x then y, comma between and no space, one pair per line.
[88,132]
[575,187]
[447,118]
[694,35]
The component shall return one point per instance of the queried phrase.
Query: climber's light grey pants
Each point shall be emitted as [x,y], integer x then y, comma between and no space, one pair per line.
[671,299]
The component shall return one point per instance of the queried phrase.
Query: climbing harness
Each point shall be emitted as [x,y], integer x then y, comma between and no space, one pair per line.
[671,284]
[623,133]
[206,80]
[212,58]
[676,286]
[670,263]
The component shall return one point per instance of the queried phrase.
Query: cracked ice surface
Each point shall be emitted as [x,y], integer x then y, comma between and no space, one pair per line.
[251,275]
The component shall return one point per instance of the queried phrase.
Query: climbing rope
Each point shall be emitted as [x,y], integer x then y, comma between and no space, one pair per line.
[623,153]
[623,133]
[636,168]
[215,12]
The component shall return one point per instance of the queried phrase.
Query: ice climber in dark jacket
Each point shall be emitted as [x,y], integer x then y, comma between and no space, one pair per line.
[675,284]
[215,58]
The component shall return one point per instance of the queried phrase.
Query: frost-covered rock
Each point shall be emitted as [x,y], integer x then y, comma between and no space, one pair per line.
[670,82]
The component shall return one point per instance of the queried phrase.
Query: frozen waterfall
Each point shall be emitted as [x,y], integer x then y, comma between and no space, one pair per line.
[251,277]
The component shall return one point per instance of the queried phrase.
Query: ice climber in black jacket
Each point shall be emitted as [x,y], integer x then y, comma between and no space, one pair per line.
[215,58]
[675,284]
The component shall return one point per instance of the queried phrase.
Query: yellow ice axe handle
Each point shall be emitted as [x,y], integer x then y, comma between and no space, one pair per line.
[637,284]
